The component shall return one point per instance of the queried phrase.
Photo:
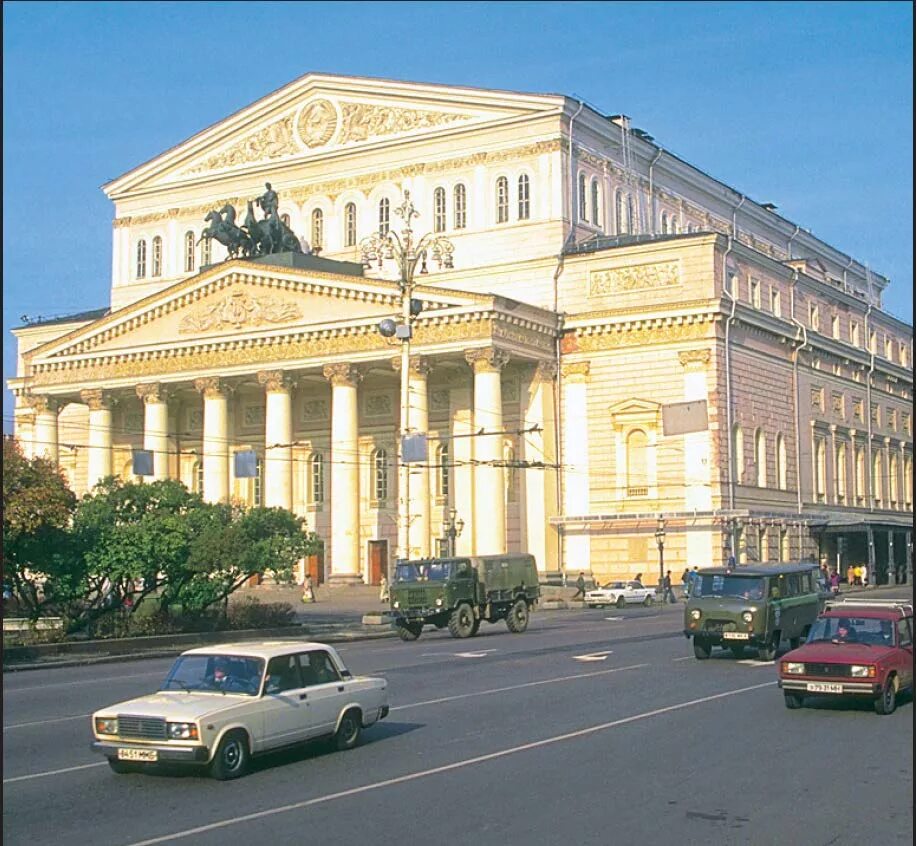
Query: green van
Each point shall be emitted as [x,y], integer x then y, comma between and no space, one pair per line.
[757,606]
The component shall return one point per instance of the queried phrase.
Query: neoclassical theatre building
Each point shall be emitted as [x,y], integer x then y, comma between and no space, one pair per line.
[597,280]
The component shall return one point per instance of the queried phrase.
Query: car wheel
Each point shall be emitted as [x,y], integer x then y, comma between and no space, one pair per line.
[475,626]
[701,648]
[121,767]
[647,601]
[348,734]
[887,700]
[409,631]
[517,619]
[461,623]
[769,652]
[620,602]
[232,758]
[793,700]
[737,650]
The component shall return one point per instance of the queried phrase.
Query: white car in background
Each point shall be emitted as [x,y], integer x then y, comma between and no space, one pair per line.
[620,594]
[220,705]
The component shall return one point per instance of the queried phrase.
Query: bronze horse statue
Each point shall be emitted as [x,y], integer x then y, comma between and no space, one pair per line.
[270,235]
[223,230]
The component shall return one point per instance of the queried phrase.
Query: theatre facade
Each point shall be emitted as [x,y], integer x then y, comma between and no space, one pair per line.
[599,283]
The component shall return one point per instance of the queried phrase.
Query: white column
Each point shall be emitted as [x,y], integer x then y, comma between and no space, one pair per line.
[44,440]
[698,468]
[99,461]
[156,426]
[278,438]
[345,480]
[577,547]
[538,448]
[418,503]
[461,452]
[490,490]
[216,438]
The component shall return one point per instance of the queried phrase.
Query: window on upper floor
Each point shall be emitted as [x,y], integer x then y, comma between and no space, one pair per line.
[189,252]
[902,354]
[813,316]
[631,215]
[318,229]
[594,191]
[385,208]
[835,327]
[738,453]
[675,225]
[665,224]
[258,483]
[459,207]
[775,301]
[157,256]
[379,465]
[754,292]
[620,213]
[317,478]
[444,472]
[781,462]
[637,464]
[877,480]
[854,333]
[524,197]
[840,473]
[141,259]
[350,225]
[206,251]
[873,342]
[502,199]
[908,481]
[583,200]
[859,474]
[761,458]
[439,210]
[893,480]
[888,348]
[820,471]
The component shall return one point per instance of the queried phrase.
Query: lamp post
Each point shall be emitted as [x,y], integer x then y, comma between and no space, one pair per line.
[453,530]
[660,542]
[407,253]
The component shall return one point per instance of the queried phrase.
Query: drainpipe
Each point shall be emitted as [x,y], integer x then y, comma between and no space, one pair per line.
[849,265]
[652,193]
[801,345]
[789,246]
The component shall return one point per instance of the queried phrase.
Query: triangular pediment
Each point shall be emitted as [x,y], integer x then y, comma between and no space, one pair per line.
[319,114]
[634,407]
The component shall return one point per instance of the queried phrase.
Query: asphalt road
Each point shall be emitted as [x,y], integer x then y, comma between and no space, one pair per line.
[500,739]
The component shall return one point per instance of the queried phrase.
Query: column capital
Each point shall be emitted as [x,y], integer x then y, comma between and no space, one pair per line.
[40,403]
[212,386]
[545,371]
[152,392]
[419,366]
[575,371]
[852,433]
[97,399]
[275,381]
[694,359]
[489,360]
[342,375]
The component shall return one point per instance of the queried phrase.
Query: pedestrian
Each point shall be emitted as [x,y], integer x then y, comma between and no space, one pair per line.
[835,582]
[308,595]
[685,582]
[864,576]
[639,578]
[383,590]
[580,586]
[668,594]
[825,576]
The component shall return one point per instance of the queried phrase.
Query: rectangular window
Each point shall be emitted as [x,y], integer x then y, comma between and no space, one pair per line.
[892,417]
[888,348]
[775,301]
[754,292]
[854,333]
[835,327]
[813,316]
[873,342]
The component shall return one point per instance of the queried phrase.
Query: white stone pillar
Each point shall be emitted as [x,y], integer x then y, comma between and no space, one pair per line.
[44,439]
[345,479]
[418,503]
[216,438]
[538,449]
[698,468]
[577,547]
[490,489]
[461,453]
[278,439]
[156,426]
[99,461]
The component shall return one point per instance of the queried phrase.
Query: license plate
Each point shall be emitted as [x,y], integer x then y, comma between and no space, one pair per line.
[735,635]
[824,687]
[138,755]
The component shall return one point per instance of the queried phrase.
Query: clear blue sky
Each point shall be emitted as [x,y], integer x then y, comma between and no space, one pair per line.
[807,105]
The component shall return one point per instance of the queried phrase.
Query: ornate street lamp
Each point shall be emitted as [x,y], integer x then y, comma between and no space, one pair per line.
[453,530]
[407,253]
[660,543]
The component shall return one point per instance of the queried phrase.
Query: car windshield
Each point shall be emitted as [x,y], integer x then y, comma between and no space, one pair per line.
[423,571]
[852,630]
[738,587]
[613,586]
[216,673]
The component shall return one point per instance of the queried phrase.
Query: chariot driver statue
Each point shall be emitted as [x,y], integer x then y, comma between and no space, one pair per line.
[268,201]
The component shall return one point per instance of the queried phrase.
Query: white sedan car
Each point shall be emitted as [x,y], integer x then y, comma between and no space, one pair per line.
[220,705]
[620,594]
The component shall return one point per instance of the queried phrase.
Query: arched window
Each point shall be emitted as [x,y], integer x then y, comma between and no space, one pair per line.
[317,478]
[738,453]
[350,225]
[761,458]
[620,212]
[384,216]
[141,259]
[893,481]
[631,215]
[594,189]
[206,245]
[286,220]
[379,465]
[197,477]
[502,200]
[511,474]
[859,476]
[189,252]
[460,206]
[784,545]
[444,474]
[524,197]
[665,224]
[318,229]
[877,478]
[840,473]
[781,462]
[439,210]
[637,472]
[157,256]
[820,469]
[674,226]
[582,198]
[908,482]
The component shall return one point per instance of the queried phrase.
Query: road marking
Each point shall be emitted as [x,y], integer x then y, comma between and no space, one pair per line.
[479,654]
[594,656]
[468,762]
[684,658]
[750,662]
[54,772]
[614,619]
[45,722]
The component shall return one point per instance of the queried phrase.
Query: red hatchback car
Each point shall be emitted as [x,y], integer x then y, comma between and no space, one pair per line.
[856,647]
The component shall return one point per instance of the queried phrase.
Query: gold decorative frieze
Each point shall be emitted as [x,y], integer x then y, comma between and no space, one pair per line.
[646,332]
[316,123]
[522,335]
[40,403]
[694,359]
[364,121]
[237,310]
[575,371]
[621,280]
[270,142]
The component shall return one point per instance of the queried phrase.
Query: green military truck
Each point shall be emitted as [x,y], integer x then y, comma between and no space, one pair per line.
[460,592]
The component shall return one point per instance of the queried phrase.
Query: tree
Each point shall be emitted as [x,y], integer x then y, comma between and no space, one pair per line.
[38,558]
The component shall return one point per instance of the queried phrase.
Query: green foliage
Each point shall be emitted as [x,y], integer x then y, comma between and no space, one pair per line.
[251,614]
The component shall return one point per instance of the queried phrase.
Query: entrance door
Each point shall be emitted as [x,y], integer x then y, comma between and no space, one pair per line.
[378,559]
[315,567]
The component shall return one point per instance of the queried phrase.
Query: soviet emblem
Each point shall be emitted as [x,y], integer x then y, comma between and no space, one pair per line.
[317,123]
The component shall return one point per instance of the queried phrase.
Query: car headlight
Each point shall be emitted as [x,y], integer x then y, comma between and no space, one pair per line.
[182,731]
[695,613]
[439,601]
[793,668]
[747,616]
[396,604]
[863,671]
[106,725]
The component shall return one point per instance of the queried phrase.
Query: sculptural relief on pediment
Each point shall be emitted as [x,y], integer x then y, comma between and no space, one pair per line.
[237,310]
[270,142]
[365,121]
[641,277]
